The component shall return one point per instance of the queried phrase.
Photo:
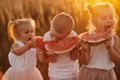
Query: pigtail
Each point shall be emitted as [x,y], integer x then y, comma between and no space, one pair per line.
[90,8]
[10,23]
[11,26]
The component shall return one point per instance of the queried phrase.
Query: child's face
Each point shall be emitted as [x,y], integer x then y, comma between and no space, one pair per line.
[26,33]
[58,36]
[103,20]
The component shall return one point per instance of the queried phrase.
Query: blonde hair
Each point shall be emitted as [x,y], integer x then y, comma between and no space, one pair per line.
[13,26]
[93,10]
[62,24]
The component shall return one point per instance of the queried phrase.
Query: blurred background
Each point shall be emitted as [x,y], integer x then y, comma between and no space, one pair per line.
[42,12]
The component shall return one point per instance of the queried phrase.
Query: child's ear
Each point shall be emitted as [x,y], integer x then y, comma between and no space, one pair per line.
[17,35]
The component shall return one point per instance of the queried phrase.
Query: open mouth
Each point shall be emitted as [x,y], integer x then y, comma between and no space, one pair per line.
[29,38]
[108,27]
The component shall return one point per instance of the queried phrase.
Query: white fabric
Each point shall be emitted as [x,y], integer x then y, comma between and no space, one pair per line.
[63,79]
[100,58]
[64,67]
[23,67]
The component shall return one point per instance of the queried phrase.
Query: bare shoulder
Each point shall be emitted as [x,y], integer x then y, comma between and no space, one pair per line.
[14,46]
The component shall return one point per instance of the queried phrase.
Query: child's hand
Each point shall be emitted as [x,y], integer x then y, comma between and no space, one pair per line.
[108,43]
[84,46]
[52,58]
[50,52]
[74,53]
[31,44]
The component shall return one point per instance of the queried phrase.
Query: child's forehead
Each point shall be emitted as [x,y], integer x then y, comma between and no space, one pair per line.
[103,11]
[25,27]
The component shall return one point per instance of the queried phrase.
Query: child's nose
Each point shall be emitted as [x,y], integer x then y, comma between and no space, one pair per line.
[31,34]
[110,20]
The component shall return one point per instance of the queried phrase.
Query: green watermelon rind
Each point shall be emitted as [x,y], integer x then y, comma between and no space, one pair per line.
[33,39]
[97,41]
[59,52]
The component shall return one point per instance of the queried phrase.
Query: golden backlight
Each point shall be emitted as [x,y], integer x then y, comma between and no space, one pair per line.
[114,2]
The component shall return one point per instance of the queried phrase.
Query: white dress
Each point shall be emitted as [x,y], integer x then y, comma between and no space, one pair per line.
[23,67]
[100,58]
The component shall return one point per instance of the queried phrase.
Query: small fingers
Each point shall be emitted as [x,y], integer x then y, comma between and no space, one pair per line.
[50,52]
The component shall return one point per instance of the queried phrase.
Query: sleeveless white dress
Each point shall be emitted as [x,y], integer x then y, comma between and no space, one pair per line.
[23,67]
[100,66]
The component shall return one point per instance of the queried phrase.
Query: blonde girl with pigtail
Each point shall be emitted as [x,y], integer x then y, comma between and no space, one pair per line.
[100,46]
[23,54]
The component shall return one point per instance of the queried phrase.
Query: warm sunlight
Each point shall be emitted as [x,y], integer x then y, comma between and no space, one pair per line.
[114,2]
[94,1]
[42,11]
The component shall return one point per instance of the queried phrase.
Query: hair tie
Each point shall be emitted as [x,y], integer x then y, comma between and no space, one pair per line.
[90,7]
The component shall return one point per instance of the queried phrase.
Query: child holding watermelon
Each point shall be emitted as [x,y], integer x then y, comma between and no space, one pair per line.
[63,53]
[100,45]
[22,56]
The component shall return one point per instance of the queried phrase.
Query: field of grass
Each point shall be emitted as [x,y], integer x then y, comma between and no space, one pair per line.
[42,12]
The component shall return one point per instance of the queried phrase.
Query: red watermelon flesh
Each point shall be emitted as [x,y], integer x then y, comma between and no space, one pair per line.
[94,38]
[62,46]
[40,43]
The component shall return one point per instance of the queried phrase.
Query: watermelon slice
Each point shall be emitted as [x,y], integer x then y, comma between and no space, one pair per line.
[40,43]
[62,46]
[93,38]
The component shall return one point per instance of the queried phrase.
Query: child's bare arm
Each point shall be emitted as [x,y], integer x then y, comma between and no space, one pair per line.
[51,57]
[115,50]
[84,53]
[41,55]
[74,53]
[84,57]
[46,56]
[18,50]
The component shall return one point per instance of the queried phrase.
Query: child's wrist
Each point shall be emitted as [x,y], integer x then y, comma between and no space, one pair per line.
[83,49]
[108,47]
[28,45]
